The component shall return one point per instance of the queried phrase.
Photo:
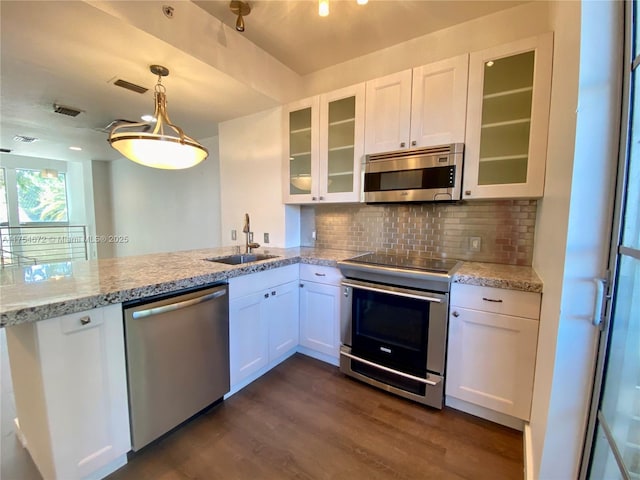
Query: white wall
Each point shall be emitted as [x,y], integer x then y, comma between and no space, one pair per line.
[166,210]
[103,211]
[573,228]
[251,152]
[81,200]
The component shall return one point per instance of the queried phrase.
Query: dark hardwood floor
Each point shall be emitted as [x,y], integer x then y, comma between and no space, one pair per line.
[306,420]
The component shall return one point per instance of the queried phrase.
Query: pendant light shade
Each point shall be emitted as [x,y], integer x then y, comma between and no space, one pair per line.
[167,146]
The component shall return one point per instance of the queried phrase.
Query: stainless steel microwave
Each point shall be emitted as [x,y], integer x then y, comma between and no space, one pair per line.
[431,174]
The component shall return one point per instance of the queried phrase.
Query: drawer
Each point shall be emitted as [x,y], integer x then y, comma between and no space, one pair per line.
[496,300]
[256,282]
[320,274]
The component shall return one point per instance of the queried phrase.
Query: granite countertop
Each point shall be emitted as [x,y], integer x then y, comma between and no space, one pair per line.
[34,293]
[512,277]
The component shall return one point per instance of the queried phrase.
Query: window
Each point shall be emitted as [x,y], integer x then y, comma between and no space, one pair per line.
[40,198]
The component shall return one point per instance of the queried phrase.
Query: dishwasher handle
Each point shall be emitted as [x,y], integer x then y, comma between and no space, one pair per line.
[178,305]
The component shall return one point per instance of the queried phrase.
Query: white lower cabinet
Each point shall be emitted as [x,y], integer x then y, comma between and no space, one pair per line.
[320,311]
[492,349]
[263,322]
[70,389]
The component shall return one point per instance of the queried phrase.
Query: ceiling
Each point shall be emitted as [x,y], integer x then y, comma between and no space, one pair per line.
[69,53]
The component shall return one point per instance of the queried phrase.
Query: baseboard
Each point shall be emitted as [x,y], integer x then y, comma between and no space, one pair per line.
[486,413]
[528,453]
[108,469]
[323,357]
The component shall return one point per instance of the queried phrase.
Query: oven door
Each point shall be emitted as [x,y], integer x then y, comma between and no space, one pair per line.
[399,329]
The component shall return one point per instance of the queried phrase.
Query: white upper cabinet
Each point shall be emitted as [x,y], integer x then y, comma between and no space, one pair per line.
[508,119]
[439,102]
[326,145]
[417,108]
[388,113]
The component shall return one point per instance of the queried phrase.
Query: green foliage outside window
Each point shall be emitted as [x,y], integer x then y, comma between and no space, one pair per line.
[41,199]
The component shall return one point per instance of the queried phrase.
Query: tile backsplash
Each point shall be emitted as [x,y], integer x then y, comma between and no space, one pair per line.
[505,228]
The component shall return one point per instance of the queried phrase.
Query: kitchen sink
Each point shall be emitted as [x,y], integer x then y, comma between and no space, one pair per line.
[241,258]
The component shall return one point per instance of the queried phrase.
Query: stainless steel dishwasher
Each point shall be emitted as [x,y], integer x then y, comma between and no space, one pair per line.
[177,351]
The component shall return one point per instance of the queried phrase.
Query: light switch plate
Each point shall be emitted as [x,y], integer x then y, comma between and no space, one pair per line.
[474,244]
[266,238]
[234,235]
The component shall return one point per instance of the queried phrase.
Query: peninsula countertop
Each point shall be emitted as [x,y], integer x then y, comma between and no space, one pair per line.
[38,292]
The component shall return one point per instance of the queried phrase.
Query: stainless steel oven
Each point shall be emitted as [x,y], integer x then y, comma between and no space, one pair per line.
[394,313]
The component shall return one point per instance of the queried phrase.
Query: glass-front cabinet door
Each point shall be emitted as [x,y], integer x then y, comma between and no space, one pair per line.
[325,136]
[302,130]
[341,144]
[507,120]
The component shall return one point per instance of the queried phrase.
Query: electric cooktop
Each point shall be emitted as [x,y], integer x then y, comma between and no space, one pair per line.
[439,265]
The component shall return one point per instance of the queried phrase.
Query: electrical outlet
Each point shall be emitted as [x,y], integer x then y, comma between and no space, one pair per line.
[474,244]
[266,238]
[313,235]
[234,235]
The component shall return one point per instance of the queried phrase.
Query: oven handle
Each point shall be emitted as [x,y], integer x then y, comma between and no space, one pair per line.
[391,292]
[390,370]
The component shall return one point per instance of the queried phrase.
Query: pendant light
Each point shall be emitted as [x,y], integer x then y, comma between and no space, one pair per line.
[242,9]
[166,148]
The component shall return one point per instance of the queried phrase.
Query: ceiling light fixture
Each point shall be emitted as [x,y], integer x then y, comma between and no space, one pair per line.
[323,8]
[158,149]
[76,149]
[242,9]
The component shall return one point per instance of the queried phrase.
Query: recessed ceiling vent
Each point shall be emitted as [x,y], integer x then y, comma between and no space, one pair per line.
[130,86]
[64,110]
[25,139]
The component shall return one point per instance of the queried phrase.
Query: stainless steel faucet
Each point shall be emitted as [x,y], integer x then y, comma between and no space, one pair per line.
[249,243]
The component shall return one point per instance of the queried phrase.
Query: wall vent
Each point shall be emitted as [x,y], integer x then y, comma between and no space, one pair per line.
[24,139]
[130,86]
[65,110]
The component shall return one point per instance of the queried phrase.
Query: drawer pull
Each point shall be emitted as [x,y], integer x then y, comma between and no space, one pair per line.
[86,320]
[320,274]
[455,314]
[491,300]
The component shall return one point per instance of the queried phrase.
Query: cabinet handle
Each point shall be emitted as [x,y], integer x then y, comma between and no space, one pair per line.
[413,144]
[455,314]
[302,285]
[491,300]
[402,145]
[320,274]
[266,295]
[321,198]
[273,294]
[467,192]
[86,320]
[313,198]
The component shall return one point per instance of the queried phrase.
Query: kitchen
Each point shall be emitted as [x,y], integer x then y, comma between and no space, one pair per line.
[252,143]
